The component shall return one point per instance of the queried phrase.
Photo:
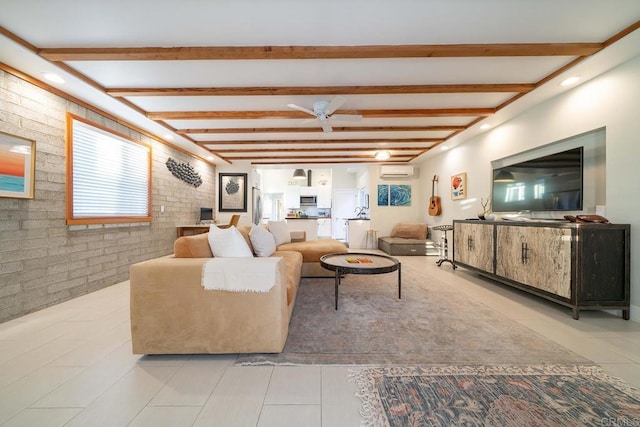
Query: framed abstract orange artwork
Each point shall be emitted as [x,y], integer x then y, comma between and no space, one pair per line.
[17,166]
[459,186]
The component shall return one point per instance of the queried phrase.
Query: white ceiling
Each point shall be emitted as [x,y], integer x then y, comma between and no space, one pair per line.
[31,25]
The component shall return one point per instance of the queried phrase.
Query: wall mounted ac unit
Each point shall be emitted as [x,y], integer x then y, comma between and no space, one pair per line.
[396,171]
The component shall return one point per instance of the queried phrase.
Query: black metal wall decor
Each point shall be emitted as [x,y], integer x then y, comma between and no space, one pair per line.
[185,172]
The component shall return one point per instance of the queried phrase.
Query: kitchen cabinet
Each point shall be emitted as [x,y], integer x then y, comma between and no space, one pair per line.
[357,233]
[324,197]
[292,197]
[324,228]
[308,191]
[581,266]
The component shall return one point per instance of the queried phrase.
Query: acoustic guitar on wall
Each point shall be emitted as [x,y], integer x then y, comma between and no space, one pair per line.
[434,201]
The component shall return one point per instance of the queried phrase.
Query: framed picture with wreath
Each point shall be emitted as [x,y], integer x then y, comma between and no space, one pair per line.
[232,192]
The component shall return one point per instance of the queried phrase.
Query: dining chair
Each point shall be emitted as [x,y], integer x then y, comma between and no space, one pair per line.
[232,222]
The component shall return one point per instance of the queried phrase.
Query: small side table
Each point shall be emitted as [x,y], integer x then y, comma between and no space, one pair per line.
[445,248]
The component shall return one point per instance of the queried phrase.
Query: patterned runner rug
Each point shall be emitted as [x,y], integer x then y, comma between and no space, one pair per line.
[433,323]
[503,396]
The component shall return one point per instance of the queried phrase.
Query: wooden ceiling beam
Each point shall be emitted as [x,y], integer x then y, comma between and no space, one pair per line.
[447,128]
[317,52]
[322,141]
[292,114]
[293,159]
[326,90]
[258,151]
[318,162]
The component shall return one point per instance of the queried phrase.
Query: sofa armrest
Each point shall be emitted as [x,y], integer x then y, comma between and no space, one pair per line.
[171,313]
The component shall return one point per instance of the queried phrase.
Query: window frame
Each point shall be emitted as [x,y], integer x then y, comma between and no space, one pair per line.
[70,218]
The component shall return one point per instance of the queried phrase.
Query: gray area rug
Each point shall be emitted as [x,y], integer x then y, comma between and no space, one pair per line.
[431,324]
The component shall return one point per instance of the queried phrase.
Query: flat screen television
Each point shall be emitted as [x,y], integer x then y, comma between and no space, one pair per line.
[548,183]
[206,214]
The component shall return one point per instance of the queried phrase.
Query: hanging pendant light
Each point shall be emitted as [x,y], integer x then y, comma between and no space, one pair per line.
[504,176]
[299,174]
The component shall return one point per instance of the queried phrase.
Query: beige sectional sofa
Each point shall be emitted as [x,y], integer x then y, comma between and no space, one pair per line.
[171,312]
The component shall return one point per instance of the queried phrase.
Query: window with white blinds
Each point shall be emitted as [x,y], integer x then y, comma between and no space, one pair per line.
[108,176]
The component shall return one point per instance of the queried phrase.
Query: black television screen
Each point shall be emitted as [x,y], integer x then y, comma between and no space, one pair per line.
[206,214]
[549,183]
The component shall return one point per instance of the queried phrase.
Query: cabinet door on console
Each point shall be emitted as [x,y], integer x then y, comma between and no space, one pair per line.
[473,245]
[536,256]
[602,265]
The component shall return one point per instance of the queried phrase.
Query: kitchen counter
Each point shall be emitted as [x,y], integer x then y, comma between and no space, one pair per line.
[308,225]
[357,232]
[309,217]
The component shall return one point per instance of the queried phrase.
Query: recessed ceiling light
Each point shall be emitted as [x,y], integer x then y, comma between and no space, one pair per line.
[485,126]
[168,136]
[382,155]
[444,147]
[210,158]
[570,81]
[53,78]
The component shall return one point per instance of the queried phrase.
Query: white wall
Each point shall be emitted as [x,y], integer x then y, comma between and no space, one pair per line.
[383,218]
[343,178]
[611,101]
[238,167]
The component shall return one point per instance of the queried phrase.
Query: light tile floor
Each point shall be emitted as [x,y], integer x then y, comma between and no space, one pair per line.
[72,365]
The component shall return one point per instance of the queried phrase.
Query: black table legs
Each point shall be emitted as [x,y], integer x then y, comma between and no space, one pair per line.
[337,284]
[445,251]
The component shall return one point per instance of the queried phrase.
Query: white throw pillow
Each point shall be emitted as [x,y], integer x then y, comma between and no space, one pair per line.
[262,241]
[228,243]
[280,232]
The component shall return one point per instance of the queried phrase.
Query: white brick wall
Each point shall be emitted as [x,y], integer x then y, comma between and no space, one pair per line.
[42,260]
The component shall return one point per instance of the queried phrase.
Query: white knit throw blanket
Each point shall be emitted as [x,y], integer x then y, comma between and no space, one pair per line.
[241,274]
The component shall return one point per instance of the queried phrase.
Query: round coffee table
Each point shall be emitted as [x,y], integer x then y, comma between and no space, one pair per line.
[360,263]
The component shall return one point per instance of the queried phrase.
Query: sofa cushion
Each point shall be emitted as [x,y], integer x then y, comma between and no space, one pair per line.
[228,243]
[193,246]
[280,232]
[312,250]
[262,241]
[408,230]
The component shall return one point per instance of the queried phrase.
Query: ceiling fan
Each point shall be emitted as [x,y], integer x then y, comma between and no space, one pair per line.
[323,112]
